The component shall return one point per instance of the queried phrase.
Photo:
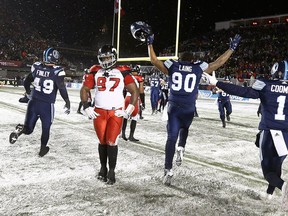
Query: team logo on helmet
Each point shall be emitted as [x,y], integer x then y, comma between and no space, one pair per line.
[51,56]
[280,70]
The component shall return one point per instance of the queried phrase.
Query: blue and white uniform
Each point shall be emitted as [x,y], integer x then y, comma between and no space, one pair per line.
[273,136]
[184,78]
[46,81]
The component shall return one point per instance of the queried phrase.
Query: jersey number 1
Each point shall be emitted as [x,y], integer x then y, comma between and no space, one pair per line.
[281,103]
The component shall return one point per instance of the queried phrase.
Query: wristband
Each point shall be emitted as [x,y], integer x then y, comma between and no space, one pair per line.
[85,105]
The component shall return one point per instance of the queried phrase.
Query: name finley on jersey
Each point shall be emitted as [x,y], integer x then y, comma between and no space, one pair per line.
[279,88]
[43,73]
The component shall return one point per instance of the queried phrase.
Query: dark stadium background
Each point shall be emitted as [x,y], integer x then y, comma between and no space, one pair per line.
[89,23]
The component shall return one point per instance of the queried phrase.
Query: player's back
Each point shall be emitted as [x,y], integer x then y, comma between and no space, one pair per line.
[274,101]
[45,77]
[184,79]
[154,83]
[223,96]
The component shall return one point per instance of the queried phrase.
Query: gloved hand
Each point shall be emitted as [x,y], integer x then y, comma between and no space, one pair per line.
[211,79]
[122,113]
[150,39]
[234,42]
[67,107]
[125,113]
[90,113]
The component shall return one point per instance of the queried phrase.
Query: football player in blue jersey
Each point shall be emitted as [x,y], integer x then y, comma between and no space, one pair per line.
[184,77]
[47,78]
[224,104]
[273,135]
[155,88]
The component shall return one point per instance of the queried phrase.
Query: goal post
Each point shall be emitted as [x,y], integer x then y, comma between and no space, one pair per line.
[131,59]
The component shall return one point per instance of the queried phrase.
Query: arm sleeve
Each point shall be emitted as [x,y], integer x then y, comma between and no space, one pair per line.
[62,88]
[27,82]
[238,90]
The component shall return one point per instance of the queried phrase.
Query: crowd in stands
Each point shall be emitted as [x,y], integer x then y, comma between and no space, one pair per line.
[17,40]
[260,47]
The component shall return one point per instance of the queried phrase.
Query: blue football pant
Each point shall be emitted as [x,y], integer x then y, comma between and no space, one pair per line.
[180,118]
[271,163]
[44,111]
[222,106]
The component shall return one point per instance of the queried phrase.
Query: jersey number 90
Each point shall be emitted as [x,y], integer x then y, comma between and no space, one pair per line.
[188,84]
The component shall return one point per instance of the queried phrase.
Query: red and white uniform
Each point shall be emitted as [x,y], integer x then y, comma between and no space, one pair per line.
[109,85]
[138,79]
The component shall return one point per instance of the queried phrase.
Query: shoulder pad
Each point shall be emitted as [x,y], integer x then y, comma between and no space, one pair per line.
[197,62]
[94,68]
[37,63]
[123,68]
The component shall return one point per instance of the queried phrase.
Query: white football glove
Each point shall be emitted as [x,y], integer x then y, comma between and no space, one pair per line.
[90,113]
[211,79]
[125,113]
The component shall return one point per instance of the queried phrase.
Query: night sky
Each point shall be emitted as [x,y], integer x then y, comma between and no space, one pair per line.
[89,22]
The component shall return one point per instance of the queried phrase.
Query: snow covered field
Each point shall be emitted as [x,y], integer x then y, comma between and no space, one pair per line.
[220,174]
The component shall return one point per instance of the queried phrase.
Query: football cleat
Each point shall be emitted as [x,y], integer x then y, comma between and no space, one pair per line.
[13,137]
[124,137]
[179,155]
[132,139]
[44,151]
[228,117]
[269,196]
[223,124]
[102,175]
[16,133]
[111,177]
[168,174]
[24,99]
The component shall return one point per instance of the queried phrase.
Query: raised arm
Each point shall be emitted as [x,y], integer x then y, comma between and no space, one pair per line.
[153,58]
[222,59]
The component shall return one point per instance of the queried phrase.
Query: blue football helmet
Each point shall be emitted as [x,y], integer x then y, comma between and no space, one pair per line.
[51,56]
[140,30]
[280,70]
[107,56]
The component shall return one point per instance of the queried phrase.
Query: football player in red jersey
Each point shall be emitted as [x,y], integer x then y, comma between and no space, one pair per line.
[107,114]
[86,71]
[135,115]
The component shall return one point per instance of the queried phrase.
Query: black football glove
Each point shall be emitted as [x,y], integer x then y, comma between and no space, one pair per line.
[234,42]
